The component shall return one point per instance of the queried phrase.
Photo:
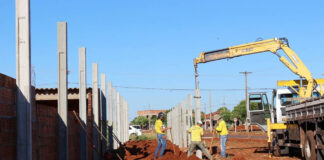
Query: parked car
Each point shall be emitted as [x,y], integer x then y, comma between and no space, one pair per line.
[134,130]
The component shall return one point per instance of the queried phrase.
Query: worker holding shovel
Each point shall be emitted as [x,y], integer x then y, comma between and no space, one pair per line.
[196,133]
[160,135]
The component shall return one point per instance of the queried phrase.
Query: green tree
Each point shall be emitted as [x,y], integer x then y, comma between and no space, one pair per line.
[140,120]
[239,111]
[255,106]
[226,114]
[153,119]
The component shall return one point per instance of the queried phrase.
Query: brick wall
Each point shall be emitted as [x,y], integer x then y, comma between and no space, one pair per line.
[7,118]
[46,130]
[74,130]
[89,126]
[47,126]
[44,125]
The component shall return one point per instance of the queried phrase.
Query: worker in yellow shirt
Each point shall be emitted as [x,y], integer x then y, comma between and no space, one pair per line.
[222,130]
[160,131]
[196,133]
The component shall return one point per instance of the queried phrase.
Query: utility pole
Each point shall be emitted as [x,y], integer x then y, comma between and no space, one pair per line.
[210,111]
[224,102]
[246,100]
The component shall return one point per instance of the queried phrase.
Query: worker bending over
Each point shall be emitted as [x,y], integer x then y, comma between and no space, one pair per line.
[196,133]
[222,130]
[160,131]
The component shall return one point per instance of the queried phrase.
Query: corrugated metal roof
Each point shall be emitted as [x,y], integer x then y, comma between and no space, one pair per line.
[48,91]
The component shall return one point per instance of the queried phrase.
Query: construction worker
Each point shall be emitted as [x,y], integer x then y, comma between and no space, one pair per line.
[160,135]
[196,133]
[222,130]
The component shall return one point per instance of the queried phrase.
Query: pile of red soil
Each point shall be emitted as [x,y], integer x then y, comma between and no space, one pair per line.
[145,150]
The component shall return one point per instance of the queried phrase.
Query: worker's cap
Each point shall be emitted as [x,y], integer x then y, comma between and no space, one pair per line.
[160,115]
[199,122]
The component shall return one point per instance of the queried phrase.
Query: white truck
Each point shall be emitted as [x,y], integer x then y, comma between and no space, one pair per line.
[295,126]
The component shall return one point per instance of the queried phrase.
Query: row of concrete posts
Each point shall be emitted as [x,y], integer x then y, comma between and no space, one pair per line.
[118,107]
[181,118]
[118,118]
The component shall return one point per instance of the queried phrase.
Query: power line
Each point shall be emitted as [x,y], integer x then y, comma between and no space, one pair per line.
[167,89]
[189,89]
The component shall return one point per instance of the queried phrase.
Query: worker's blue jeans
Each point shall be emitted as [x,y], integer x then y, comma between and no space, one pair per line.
[161,141]
[223,145]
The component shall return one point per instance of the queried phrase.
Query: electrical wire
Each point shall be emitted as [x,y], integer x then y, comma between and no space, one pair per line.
[168,89]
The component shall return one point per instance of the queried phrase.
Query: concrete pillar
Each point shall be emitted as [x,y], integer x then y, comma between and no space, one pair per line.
[103,106]
[114,104]
[127,122]
[110,109]
[121,118]
[197,115]
[187,127]
[121,122]
[168,124]
[110,117]
[23,80]
[174,119]
[171,122]
[124,120]
[190,121]
[83,103]
[95,106]
[117,116]
[174,126]
[62,91]
[190,109]
[197,106]
[184,123]
[179,126]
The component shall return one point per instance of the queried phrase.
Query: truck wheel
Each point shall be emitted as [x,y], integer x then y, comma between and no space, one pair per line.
[279,150]
[276,151]
[309,148]
[320,141]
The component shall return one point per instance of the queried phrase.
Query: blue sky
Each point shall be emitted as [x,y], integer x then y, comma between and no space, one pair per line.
[152,43]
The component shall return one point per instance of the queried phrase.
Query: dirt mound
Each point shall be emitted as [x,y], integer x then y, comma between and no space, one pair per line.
[145,150]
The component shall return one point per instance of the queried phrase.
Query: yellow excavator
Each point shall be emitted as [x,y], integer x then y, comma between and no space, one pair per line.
[294,123]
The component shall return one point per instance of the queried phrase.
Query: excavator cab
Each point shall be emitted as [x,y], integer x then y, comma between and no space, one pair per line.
[259,109]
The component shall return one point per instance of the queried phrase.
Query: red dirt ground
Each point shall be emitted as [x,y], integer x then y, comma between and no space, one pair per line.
[237,149]
[246,149]
[145,150]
